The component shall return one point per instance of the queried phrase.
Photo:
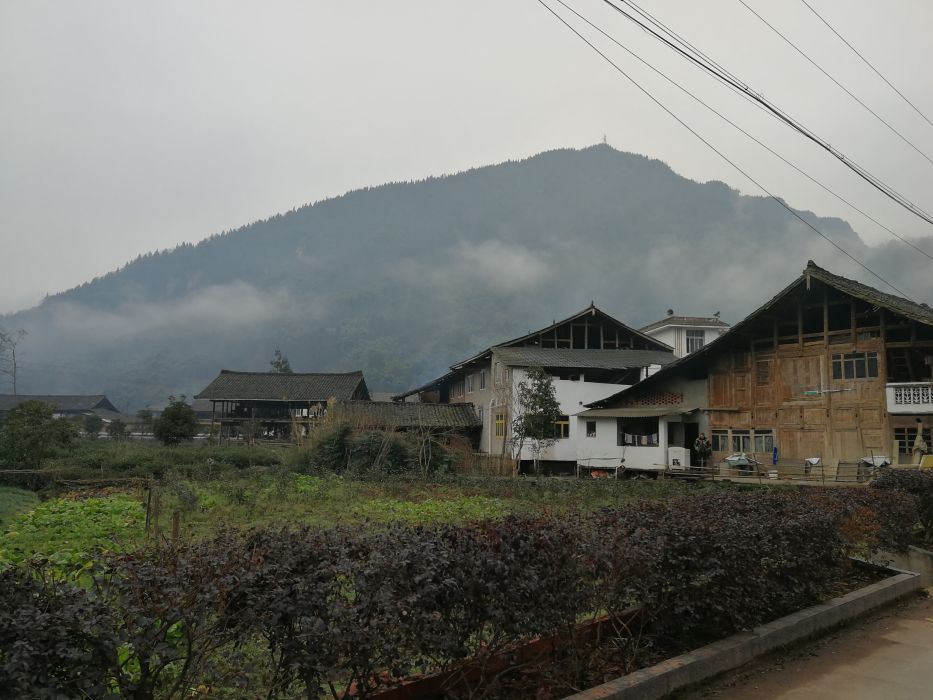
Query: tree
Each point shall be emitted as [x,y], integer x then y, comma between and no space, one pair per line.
[177,423]
[31,433]
[144,420]
[280,363]
[93,424]
[9,340]
[537,411]
[117,429]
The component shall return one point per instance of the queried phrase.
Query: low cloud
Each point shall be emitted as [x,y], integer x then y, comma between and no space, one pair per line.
[221,306]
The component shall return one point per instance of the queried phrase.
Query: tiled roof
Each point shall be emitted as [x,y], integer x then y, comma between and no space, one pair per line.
[909,309]
[905,307]
[582,359]
[63,403]
[273,386]
[394,414]
[696,321]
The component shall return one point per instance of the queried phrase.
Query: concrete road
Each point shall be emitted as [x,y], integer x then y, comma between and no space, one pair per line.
[888,656]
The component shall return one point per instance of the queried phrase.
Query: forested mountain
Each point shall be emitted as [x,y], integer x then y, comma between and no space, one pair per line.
[403,279]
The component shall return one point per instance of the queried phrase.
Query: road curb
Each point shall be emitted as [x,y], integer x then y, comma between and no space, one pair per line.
[701,664]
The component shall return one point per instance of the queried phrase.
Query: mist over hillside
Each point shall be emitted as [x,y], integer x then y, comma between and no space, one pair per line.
[403,279]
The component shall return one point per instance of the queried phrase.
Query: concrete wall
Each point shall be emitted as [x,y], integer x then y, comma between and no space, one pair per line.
[571,396]
[676,336]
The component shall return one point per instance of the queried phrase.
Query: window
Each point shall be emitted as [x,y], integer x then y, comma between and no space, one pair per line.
[469,383]
[905,439]
[855,365]
[764,441]
[591,428]
[695,340]
[562,428]
[637,431]
[720,440]
[482,379]
[456,389]
[479,414]
[741,441]
[499,424]
[497,374]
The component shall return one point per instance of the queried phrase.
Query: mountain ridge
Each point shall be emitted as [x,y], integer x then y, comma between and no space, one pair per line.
[404,278]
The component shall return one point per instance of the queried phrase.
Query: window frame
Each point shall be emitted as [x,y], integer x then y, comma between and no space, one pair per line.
[694,334]
[845,364]
[591,433]
[562,427]
[499,424]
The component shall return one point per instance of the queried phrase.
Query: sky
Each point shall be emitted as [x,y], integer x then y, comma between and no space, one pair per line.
[129,127]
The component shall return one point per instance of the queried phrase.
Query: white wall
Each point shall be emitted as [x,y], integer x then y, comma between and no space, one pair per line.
[676,336]
[571,396]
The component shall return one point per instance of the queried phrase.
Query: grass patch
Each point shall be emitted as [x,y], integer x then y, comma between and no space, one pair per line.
[14,501]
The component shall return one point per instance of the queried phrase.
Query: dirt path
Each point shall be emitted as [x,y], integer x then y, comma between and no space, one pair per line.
[887,656]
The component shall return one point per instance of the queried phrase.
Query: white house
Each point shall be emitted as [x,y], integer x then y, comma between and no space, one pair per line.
[686,334]
[590,356]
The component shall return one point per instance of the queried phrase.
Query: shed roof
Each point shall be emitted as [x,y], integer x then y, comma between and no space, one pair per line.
[275,386]
[69,402]
[921,313]
[394,414]
[530,356]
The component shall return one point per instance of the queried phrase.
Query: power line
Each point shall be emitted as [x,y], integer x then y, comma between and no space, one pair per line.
[840,85]
[783,204]
[866,62]
[743,131]
[775,111]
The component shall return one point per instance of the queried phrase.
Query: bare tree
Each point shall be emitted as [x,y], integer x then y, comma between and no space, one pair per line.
[9,340]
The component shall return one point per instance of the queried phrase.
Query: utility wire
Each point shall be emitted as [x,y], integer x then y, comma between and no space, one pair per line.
[778,113]
[866,62]
[838,84]
[739,128]
[783,204]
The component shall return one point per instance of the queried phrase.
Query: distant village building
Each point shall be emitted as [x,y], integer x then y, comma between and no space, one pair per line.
[829,368]
[686,334]
[590,355]
[65,406]
[271,404]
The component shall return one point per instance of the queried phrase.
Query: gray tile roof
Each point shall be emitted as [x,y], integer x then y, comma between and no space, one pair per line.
[68,403]
[696,321]
[272,386]
[905,307]
[394,414]
[581,359]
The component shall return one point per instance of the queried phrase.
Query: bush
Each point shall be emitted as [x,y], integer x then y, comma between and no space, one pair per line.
[56,640]
[350,609]
[919,485]
[29,434]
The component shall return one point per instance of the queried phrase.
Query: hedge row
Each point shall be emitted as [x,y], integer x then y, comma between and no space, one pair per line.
[327,612]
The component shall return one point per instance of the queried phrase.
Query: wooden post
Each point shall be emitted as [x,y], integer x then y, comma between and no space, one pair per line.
[156,512]
[148,510]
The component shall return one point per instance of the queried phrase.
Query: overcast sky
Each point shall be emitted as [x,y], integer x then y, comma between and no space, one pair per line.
[127,127]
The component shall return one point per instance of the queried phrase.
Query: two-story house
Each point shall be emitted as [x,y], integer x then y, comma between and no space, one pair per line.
[590,355]
[829,368]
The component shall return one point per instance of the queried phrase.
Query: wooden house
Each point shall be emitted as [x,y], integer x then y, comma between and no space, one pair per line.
[828,368]
[272,405]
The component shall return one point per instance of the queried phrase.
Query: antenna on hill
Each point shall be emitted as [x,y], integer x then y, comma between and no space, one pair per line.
[605,140]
